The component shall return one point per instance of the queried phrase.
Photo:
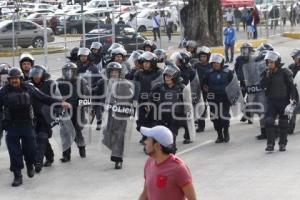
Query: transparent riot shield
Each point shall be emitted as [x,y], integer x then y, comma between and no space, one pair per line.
[189,110]
[235,97]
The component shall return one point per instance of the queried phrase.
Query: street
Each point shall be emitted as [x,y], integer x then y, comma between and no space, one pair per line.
[240,170]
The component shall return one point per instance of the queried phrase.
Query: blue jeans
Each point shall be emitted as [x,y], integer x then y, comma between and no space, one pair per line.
[21,142]
[231,47]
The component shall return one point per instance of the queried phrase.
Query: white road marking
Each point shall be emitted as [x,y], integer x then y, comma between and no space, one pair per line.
[194,147]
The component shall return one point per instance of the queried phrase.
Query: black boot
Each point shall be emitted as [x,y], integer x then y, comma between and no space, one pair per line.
[66,156]
[82,152]
[200,126]
[282,147]
[243,119]
[226,135]
[30,171]
[18,179]
[118,165]
[270,148]
[48,163]
[99,125]
[262,135]
[38,167]
[220,138]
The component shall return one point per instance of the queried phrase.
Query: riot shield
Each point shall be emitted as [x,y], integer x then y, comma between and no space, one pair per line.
[251,73]
[235,97]
[197,98]
[118,117]
[297,82]
[256,100]
[158,80]
[189,110]
[56,116]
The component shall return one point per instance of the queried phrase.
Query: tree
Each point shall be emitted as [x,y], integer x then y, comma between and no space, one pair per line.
[203,22]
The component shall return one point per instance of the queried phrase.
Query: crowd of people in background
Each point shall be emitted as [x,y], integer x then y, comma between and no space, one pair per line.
[252,17]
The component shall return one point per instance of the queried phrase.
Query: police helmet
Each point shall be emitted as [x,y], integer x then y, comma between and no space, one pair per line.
[83,51]
[26,57]
[96,45]
[148,56]
[273,56]
[149,43]
[192,44]
[161,55]
[114,66]
[38,71]
[216,58]
[15,72]
[69,71]
[265,46]
[184,57]
[119,51]
[4,68]
[73,54]
[171,70]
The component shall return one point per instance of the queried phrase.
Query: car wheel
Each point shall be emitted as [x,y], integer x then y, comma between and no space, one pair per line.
[74,31]
[174,28]
[38,42]
[142,29]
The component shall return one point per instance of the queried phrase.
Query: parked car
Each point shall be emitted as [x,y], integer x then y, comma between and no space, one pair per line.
[27,34]
[124,34]
[74,23]
[36,7]
[143,21]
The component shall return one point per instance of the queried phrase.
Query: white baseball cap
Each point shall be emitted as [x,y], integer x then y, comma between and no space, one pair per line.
[161,134]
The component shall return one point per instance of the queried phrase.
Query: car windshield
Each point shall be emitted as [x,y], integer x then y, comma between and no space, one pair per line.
[28,6]
[95,4]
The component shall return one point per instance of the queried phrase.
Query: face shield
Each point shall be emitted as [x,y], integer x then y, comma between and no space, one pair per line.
[36,72]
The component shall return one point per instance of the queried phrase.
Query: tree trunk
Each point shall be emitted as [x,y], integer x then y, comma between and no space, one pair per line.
[203,22]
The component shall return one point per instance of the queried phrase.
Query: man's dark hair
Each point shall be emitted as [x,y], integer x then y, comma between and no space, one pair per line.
[166,150]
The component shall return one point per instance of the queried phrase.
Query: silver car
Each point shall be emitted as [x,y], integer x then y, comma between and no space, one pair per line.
[27,34]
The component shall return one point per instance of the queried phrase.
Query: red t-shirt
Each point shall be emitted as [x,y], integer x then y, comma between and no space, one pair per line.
[165,180]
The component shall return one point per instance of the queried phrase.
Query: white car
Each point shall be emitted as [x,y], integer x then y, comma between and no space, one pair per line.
[143,21]
[28,8]
[67,8]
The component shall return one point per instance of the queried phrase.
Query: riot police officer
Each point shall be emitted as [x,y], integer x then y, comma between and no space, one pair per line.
[73,55]
[279,90]
[161,57]
[202,67]
[244,59]
[191,46]
[145,79]
[214,83]
[41,80]
[169,94]
[135,65]
[70,91]
[3,81]
[294,67]
[148,45]
[16,100]
[26,61]
[97,56]
[187,73]
[119,95]
[119,55]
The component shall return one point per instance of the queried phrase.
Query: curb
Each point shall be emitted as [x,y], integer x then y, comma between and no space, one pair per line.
[53,50]
[255,44]
[293,35]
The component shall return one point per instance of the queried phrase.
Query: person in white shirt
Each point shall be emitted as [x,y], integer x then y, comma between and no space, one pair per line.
[229,16]
[156,25]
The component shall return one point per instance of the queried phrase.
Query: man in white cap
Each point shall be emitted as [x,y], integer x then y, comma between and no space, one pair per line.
[166,176]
